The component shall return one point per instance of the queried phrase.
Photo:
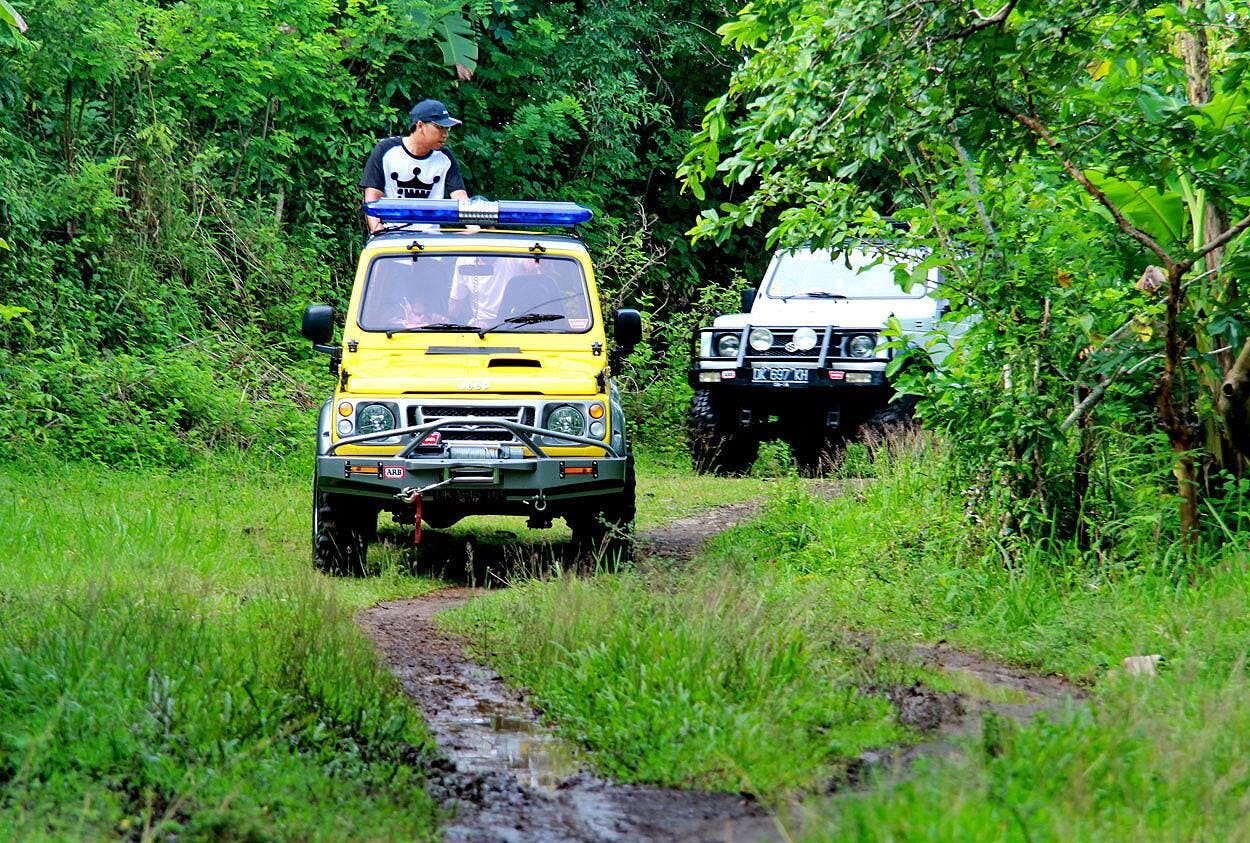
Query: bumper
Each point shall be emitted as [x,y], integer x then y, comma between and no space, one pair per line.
[840,377]
[479,477]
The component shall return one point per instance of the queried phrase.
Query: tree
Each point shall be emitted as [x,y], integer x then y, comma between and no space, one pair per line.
[841,112]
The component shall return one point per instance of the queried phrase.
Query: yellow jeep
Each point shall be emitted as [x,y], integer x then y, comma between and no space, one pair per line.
[474,377]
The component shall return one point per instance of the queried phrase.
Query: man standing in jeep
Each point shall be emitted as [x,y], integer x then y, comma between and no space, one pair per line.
[416,165]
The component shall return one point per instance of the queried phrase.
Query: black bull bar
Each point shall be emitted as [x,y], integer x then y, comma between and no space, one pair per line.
[499,466]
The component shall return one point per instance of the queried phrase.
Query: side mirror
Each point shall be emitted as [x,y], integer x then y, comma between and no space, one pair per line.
[748,299]
[318,324]
[628,329]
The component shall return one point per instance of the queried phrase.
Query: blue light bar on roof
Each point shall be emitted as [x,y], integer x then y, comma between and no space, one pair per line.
[464,212]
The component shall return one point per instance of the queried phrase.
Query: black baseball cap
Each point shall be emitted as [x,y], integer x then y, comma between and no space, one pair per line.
[432,111]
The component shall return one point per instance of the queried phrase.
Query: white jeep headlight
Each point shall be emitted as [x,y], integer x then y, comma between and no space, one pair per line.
[728,344]
[861,345]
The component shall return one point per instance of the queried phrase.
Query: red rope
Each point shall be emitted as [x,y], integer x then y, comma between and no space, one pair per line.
[416,526]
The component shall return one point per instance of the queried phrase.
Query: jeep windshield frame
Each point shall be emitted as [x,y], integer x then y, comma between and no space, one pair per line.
[857,274]
[476,291]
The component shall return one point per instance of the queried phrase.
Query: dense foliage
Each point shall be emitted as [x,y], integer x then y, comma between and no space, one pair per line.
[1052,154]
[178,179]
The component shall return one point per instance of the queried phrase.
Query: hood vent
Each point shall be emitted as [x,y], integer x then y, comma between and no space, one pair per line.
[514,363]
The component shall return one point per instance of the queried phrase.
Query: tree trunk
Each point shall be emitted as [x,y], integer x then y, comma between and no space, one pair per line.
[1173,414]
[1221,444]
[1234,403]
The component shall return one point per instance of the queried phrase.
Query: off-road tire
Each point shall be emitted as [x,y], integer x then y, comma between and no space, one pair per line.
[607,530]
[816,454]
[713,448]
[343,526]
[897,415]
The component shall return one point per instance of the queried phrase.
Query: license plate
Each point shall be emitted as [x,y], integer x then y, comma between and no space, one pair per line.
[779,374]
[475,497]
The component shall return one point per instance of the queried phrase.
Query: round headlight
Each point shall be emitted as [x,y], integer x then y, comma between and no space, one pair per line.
[566,419]
[761,339]
[374,418]
[805,339]
[345,427]
[861,345]
[597,429]
[728,345]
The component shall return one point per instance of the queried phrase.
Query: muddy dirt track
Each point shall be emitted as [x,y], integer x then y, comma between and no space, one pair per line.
[507,777]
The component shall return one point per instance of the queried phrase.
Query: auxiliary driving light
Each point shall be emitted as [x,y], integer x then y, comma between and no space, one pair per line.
[761,339]
[805,339]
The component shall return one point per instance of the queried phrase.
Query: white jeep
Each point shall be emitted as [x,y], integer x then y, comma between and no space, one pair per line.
[804,362]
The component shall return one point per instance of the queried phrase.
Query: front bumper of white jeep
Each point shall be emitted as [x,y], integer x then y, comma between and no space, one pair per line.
[828,364]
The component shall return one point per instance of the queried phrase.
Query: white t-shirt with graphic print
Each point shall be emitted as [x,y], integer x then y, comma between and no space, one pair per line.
[399,174]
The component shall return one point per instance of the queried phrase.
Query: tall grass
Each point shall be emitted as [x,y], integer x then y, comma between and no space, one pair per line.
[170,665]
[688,680]
[665,674]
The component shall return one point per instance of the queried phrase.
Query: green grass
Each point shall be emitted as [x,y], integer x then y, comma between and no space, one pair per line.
[170,663]
[720,674]
[691,681]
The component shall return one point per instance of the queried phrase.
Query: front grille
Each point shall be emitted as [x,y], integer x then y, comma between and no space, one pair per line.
[472,431]
[837,347]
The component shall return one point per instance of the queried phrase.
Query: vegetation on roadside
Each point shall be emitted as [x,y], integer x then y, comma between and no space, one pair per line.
[1072,167]
[178,180]
[170,665]
[722,657]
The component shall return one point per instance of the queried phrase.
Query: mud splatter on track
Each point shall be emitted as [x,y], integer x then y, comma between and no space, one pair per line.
[946,718]
[508,777]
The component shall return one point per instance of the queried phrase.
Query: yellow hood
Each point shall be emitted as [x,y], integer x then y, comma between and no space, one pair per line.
[498,368]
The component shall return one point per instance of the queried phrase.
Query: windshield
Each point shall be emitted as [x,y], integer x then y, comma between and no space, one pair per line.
[475,292]
[816,274]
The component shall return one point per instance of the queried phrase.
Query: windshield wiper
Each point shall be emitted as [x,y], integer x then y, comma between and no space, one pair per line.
[820,294]
[436,326]
[523,319]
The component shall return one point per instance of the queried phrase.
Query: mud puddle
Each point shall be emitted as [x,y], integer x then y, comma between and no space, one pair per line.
[946,718]
[507,777]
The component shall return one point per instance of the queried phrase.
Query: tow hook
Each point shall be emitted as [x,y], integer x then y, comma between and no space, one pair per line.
[538,521]
[411,496]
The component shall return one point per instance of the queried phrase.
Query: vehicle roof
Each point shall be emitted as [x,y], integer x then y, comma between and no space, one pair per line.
[519,240]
